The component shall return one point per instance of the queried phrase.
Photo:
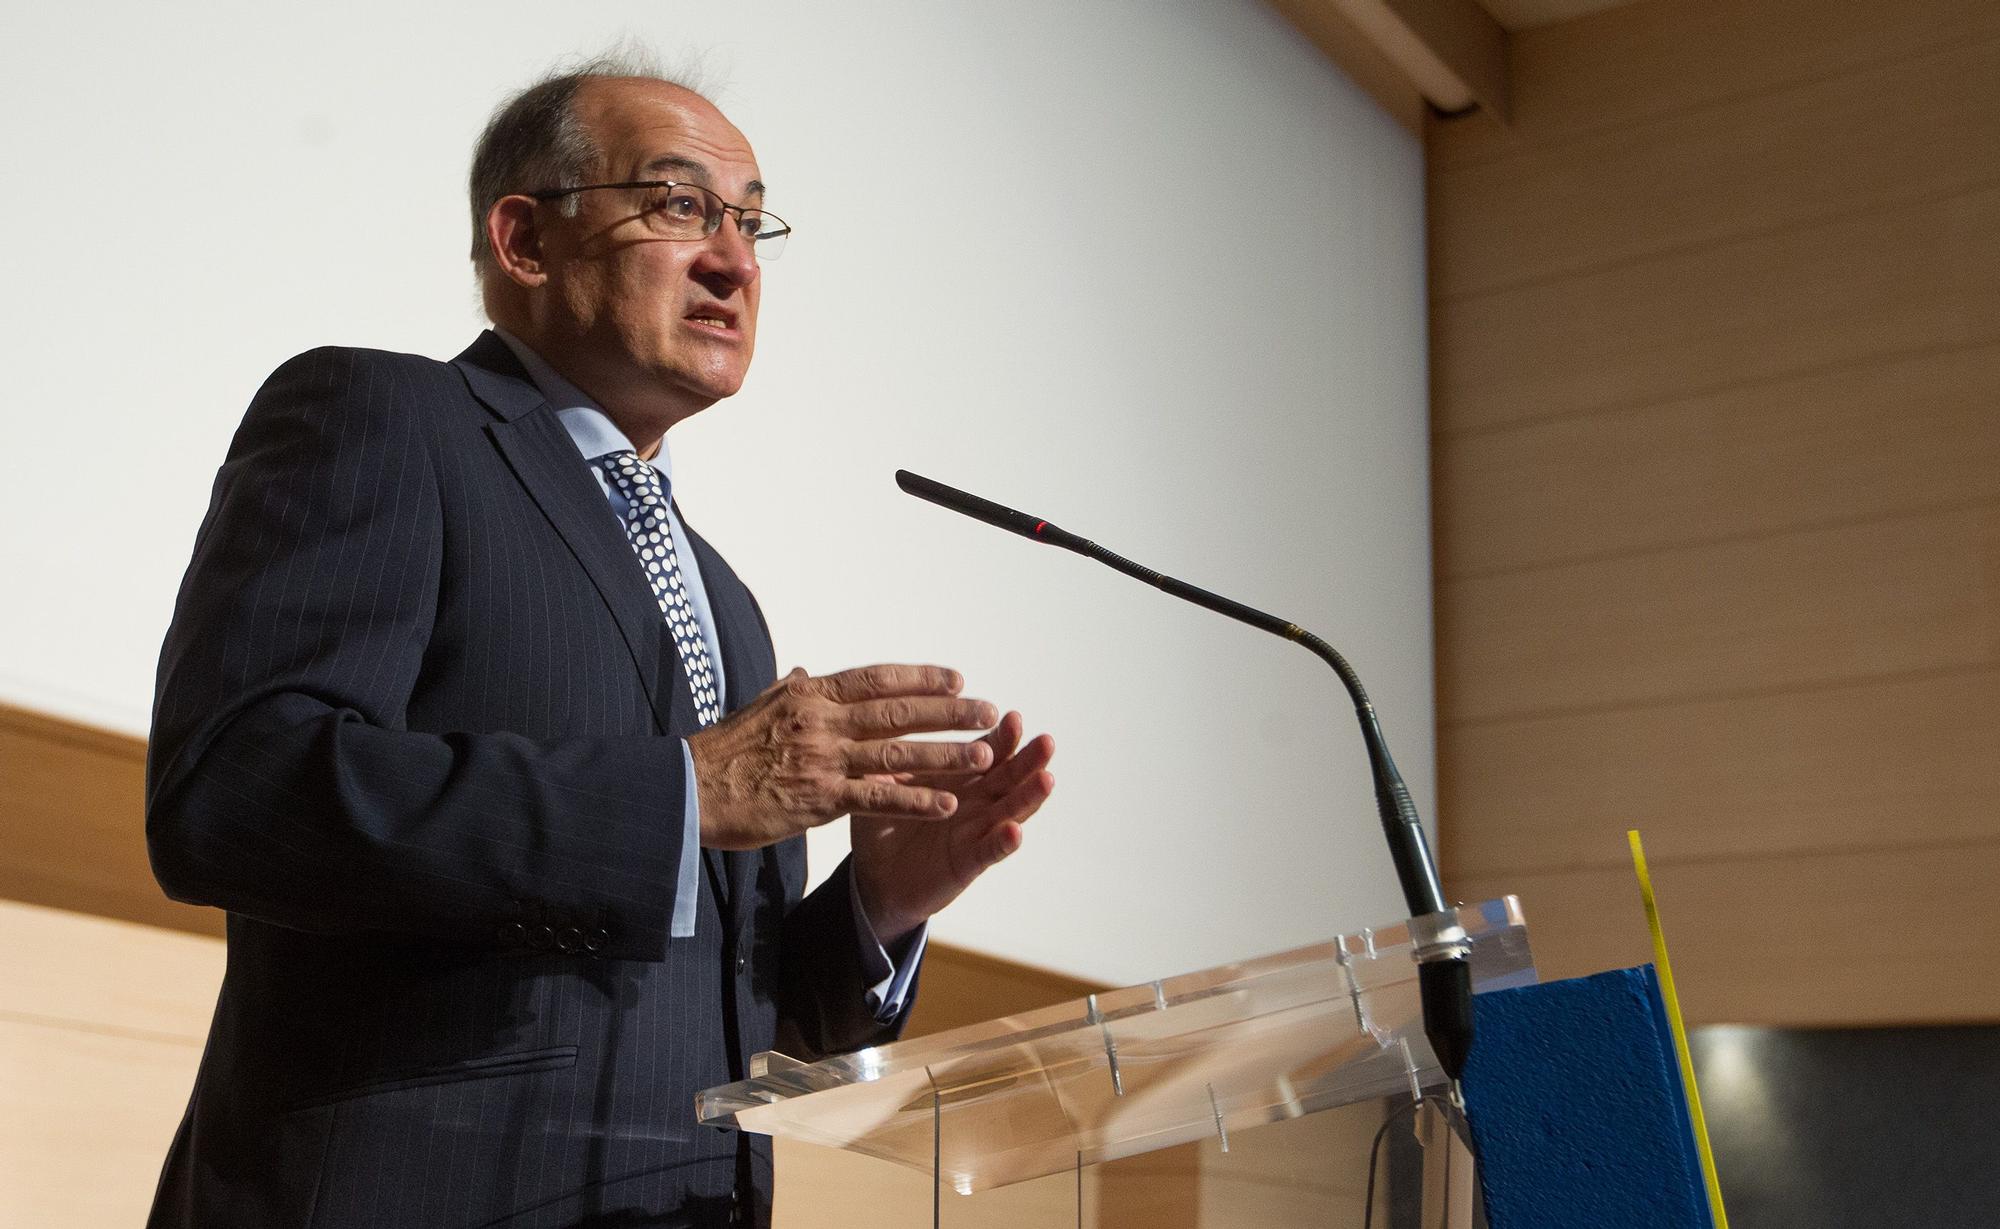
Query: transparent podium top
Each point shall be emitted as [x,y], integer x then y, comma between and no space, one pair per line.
[1128,1071]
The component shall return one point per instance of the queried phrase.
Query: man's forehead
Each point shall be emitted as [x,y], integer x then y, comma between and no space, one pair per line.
[653,129]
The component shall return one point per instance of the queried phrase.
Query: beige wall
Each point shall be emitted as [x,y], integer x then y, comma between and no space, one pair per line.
[1716,331]
[101,1026]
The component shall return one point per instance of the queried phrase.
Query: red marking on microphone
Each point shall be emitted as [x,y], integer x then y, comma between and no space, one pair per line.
[1039,526]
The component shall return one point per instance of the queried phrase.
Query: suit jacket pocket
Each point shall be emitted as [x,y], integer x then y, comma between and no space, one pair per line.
[487,1066]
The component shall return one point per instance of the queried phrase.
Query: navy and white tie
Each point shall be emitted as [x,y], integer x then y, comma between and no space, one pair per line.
[647,527]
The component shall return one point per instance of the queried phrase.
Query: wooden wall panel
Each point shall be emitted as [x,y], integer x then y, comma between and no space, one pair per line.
[63,967]
[1858,288]
[1880,598]
[1817,149]
[1893,935]
[87,1120]
[101,1027]
[1309,1171]
[1835,768]
[963,987]
[1903,436]
[1716,351]
[1652,58]
[72,823]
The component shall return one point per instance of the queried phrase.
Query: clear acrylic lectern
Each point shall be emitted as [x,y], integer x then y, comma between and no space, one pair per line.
[1128,1071]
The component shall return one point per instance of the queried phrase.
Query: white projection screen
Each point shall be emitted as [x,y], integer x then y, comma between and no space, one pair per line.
[1152,270]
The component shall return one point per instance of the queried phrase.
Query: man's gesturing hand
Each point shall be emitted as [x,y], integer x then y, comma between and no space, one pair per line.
[811,749]
[905,872]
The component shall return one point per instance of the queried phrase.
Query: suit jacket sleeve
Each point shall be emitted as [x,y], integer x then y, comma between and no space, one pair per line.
[282,782]
[823,1005]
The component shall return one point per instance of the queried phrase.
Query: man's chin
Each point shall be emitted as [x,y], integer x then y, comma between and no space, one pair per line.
[704,388]
[726,379]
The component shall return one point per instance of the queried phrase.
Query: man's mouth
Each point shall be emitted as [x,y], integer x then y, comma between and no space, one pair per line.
[712,319]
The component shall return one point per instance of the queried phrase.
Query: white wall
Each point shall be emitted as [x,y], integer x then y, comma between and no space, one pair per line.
[1213,362]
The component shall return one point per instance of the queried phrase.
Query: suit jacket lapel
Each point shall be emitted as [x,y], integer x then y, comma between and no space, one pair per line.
[545,459]
[746,670]
[747,667]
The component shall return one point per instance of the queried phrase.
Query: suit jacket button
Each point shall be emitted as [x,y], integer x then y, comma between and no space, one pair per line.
[542,938]
[742,963]
[570,939]
[512,934]
[596,939]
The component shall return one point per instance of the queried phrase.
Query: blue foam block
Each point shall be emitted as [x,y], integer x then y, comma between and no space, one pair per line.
[1576,1104]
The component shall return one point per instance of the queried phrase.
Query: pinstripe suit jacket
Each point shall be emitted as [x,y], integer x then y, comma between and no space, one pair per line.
[409,734]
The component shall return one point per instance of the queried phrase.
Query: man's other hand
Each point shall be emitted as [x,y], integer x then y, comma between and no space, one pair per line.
[904,872]
[811,749]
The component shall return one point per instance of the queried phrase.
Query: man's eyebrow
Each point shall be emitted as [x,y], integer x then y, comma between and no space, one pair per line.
[697,173]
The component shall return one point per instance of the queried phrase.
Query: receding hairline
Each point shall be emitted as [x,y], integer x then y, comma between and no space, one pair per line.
[589,98]
[550,135]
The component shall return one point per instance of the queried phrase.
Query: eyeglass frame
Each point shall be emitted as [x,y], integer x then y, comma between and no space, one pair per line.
[784,228]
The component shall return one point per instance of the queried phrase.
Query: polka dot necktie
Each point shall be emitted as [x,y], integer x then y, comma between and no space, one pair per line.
[647,528]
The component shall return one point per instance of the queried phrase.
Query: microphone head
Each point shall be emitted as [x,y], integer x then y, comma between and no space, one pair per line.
[997,515]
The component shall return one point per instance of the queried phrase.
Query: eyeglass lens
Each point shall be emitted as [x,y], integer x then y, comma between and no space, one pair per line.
[687,211]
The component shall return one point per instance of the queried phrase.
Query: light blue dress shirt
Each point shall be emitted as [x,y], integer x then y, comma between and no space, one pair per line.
[595,436]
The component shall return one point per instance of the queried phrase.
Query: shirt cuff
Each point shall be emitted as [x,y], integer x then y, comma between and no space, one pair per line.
[689,883]
[888,981]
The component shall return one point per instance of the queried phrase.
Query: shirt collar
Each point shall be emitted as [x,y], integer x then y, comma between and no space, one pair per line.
[589,427]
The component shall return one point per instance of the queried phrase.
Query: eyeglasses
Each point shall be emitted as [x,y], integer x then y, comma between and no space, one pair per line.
[683,211]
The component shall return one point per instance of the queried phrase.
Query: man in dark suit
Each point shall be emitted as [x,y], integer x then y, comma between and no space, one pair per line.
[483,749]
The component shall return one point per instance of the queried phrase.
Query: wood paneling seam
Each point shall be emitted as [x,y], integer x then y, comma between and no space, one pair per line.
[29,724]
[1733,857]
[1748,693]
[1871,359]
[1794,226]
[70,1024]
[1728,539]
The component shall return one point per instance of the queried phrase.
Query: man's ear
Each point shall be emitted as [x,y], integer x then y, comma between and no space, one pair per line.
[511,227]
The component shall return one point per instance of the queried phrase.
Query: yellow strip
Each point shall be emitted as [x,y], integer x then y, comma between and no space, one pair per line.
[1680,1033]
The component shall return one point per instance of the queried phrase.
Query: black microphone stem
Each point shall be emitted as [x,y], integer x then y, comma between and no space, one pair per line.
[1441,946]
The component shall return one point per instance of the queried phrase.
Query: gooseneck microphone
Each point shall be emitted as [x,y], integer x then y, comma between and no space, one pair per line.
[1442,949]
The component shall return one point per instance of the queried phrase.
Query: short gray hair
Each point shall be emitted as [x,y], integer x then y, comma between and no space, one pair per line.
[535,139]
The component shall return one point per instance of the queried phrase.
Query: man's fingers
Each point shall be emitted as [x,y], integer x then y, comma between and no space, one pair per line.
[877,682]
[1011,772]
[880,798]
[900,758]
[1002,740]
[1003,840]
[897,715]
[1005,737]
[1008,771]
[1021,802]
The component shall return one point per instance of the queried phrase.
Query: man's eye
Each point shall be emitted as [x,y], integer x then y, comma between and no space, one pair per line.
[682,206]
[752,225]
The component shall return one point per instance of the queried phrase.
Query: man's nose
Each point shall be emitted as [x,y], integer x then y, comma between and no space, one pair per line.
[728,253]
